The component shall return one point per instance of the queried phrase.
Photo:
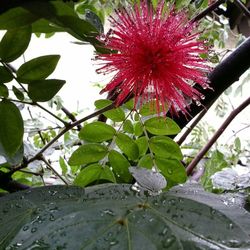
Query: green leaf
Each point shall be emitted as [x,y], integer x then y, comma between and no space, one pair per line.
[15,18]
[18,93]
[14,43]
[44,26]
[213,165]
[112,216]
[128,127]
[97,132]
[165,147]
[94,172]
[64,16]
[63,165]
[11,129]
[4,92]
[120,166]
[146,161]
[88,153]
[5,75]
[127,146]
[162,126]
[116,115]
[138,129]
[44,90]
[172,170]
[38,68]
[142,144]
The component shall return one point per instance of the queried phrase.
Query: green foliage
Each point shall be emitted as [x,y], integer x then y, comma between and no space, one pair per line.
[37,69]
[44,90]
[116,115]
[11,129]
[88,153]
[92,173]
[14,43]
[162,126]
[213,165]
[97,132]
[113,216]
[5,75]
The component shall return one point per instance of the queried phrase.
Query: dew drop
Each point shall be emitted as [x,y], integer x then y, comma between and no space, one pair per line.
[168,242]
[113,242]
[164,231]
[231,226]
[198,103]
[109,212]
[172,202]
[51,217]
[25,228]
[33,230]
[170,171]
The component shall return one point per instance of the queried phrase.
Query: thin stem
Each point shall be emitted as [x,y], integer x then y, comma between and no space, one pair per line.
[53,170]
[209,9]
[49,112]
[191,127]
[70,116]
[242,7]
[67,128]
[217,134]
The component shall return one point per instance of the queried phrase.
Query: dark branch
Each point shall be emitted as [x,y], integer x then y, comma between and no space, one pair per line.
[222,77]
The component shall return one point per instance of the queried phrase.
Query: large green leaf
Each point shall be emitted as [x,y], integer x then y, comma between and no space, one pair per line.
[38,68]
[14,43]
[114,217]
[44,90]
[11,128]
[88,153]
[162,126]
[165,147]
[94,172]
[97,132]
[15,18]
[127,146]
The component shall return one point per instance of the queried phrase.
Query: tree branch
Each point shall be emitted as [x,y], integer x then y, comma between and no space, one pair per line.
[223,76]
[217,134]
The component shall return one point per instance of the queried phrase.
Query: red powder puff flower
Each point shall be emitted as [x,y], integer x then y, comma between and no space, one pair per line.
[158,57]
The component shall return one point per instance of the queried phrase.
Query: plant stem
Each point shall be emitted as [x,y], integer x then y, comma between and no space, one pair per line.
[53,170]
[217,134]
[209,9]
[242,7]
[192,125]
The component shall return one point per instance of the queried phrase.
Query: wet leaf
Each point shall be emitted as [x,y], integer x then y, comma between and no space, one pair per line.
[94,172]
[11,129]
[162,126]
[101,217]
[127,146]
[88,153]
[97,132]
[165,147]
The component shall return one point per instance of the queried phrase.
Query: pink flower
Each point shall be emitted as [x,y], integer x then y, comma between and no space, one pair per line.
[157,57]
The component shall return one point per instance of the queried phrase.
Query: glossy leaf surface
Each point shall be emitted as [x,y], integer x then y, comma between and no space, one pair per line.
[113,216]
